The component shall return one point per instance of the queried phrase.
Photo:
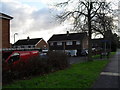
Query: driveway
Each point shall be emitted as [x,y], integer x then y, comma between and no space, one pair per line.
[110,76]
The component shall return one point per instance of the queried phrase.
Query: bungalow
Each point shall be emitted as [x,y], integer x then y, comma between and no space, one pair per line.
[72,43]
[31,43]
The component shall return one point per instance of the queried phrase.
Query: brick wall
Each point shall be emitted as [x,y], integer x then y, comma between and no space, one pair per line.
[41,44]
[0,33]
[85,43]
[5,33]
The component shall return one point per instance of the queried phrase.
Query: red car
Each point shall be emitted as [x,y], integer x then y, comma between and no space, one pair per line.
[19,56]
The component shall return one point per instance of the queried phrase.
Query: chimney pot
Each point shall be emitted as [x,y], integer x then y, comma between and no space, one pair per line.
[67,33]
[28,38]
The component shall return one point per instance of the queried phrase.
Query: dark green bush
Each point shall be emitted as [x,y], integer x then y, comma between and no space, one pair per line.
[36,66]
[57,60]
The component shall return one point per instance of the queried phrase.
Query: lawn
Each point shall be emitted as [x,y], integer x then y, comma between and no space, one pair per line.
[98,56]
[81,75]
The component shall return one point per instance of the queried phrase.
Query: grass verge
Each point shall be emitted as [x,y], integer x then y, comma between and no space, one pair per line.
[98,56]
[81,75]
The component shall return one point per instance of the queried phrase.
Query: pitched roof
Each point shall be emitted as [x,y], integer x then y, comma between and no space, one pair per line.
[71,36]
[5,16]
[100,40]
[28,42]
[97,39]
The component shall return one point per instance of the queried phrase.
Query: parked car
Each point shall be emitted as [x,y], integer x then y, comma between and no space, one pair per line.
[84,52]
[96,50]
[43,55]
[71,52]
[19,56]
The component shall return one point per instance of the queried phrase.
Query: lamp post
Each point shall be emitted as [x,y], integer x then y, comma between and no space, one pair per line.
[14,36]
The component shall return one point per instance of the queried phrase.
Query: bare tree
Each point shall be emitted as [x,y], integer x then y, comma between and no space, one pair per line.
[82,14]
[100,26]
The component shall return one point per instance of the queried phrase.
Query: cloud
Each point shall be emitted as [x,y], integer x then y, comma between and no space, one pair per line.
[27,19]
[44,19]
[20,13]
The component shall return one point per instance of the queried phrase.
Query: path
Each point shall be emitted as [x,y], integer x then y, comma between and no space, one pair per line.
[110,76]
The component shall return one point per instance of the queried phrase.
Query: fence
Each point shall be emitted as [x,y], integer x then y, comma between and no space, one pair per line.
[20,49]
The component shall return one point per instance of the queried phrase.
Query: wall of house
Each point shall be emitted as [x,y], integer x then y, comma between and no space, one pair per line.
[42,44]
[64,46]
[85,43]
[0,33]
[5,33]
[24,46]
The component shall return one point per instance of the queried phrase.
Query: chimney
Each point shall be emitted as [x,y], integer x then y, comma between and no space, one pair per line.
[28,38]
[67,33]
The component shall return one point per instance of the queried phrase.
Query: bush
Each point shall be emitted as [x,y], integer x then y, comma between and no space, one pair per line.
[35,66]
[57,60]
[7,75]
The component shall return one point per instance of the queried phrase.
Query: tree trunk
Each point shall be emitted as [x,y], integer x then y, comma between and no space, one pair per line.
[89,43]
[89,37]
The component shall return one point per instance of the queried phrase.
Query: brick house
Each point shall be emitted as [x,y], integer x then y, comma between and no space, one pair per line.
[70,42]
[97,42]
[31,43]
[5,30]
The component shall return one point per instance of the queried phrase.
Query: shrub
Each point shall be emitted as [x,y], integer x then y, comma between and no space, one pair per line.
[35,66]
[7,75]
[57,60]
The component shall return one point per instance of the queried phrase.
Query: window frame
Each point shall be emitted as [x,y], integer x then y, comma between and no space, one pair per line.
[51,43]
[69,42]
[59,43]
[78,43]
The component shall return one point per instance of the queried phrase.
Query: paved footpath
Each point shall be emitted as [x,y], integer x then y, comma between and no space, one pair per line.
[110,76]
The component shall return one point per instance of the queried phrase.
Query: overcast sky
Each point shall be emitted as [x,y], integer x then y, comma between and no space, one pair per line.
[33,18]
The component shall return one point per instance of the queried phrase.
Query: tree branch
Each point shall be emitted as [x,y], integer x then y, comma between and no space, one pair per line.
[96,10]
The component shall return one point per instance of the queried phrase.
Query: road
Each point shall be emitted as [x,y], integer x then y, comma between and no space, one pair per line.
[110,76]
[73,60]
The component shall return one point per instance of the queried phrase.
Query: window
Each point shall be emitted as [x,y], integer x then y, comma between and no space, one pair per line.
[16,47]
[51,44]
[59,43]
[19,47]
[29,46]
[69,43]
[13,58]
[74,42]
[44,46]
[15,54]
[77,42]
[22,46]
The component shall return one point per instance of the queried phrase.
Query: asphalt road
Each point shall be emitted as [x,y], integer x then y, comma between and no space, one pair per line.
[73,60]
[110,76]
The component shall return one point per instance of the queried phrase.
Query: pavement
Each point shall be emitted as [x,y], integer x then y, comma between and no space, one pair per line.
[110,76]
[0,70]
